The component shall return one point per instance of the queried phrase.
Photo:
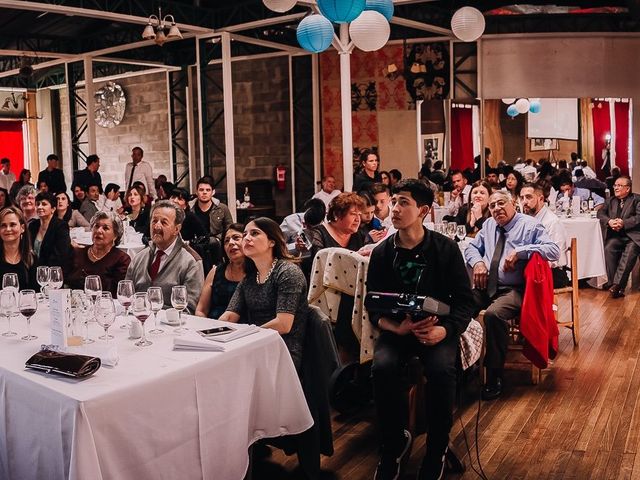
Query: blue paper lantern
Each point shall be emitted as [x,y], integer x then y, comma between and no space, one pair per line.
[385,7]
[535,106]
[341,11]
[512,111]
[315,33]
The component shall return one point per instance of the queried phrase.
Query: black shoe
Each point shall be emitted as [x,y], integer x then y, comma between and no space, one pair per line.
[606,286]
[617,293]
[492,390]
[390,466]
[432,467]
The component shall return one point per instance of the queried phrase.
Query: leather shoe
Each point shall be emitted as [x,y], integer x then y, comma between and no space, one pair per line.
[492,390]
[616,293]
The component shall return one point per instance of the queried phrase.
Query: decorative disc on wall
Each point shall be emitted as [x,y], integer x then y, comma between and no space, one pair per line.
[110,104]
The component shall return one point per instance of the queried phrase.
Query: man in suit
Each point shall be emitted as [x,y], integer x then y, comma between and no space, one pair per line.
[620,217]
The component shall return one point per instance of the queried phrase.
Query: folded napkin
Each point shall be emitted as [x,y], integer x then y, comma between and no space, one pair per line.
[194,341]
[237,332]
[107,353]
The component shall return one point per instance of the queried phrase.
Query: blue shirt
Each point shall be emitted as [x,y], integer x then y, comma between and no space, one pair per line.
[524,234]
[583,193]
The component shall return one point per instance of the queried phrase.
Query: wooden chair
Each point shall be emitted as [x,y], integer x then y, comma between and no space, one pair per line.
[574,323]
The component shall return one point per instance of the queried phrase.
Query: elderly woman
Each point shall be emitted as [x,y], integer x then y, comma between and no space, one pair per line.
[67,214]
[222,280]
[50,235]
[26,200]
[476,211]
[274,292]
[16,255]
[103,258]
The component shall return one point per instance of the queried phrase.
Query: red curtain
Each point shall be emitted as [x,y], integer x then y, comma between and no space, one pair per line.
[12,145]
[601,127]
[622,136]
[461,138]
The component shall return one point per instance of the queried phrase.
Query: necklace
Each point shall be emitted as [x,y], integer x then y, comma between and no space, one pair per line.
[273,265]
[96,257]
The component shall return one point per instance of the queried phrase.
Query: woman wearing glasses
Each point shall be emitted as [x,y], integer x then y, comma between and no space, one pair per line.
[17,255]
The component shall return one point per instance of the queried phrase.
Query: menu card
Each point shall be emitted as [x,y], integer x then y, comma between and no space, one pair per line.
[575,205]
[59,315]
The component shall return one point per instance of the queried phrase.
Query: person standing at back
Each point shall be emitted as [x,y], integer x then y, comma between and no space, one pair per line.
[139,170]
[6,176]
[53,176]
[211,212]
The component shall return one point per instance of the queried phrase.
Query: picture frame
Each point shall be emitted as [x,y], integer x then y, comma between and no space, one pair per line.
[543,144]
[432,147]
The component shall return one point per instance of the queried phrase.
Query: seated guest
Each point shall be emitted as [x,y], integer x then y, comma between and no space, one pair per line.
[191,227]
[492,178]
[384,177]
[313,214]
[328,191]
[24,179]
[91,204]
[42,186]
[473,214]
[222,280]
[146,199]
[79,194]
[590,183]
[273,294]
[459,193]
[5,199]
[17,255]
[112,202]
[513,183]
[137,212]
[568,190]
[620,216]
[159,180]
[26,200]
[498,255]
[394,176]
[369,224]
[102,258]
[164,190]
[168,261]
[532,198]
[64,211]
[382,198]
[49,235]
[615,173]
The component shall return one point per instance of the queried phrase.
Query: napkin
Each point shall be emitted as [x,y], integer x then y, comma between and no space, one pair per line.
[108,353]
[194,341]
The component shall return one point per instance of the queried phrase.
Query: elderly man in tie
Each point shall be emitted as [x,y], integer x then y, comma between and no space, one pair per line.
[498,255]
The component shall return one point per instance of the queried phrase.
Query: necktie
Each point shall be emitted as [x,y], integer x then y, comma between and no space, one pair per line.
[155,266]
[492,282]
[621,207]
[131,177]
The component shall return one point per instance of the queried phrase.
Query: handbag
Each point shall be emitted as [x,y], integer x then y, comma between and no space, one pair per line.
[69,364]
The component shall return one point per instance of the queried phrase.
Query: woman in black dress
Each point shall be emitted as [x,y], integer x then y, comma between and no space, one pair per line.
[49,235]
[16,255]
[368,174]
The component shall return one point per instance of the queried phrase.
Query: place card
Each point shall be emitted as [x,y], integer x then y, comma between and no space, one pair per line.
[575,205]
[59,315]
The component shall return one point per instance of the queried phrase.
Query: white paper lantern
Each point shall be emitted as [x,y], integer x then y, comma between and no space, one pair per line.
[370,31]
[280,6]
[468,24]
[508,101]
[522,105]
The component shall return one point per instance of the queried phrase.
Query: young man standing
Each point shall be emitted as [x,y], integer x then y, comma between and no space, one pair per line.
[6,176]
[417,260]
[53,176]
[212,213]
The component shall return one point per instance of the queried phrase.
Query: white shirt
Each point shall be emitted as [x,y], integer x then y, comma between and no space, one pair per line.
[6,180]
[111,205]
[327,197]
[461,199]
[167,251]
[556,231]
[529,172]
[143,173]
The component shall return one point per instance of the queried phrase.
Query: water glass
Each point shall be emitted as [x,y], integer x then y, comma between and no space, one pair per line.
[83,307]
[42,277]
[179,300]
[125,297]
[93,287]
[10,280]
[157,301]
[461,232]
[451,230]
[142,310]
[8,307]
[105,312]
[28,306]
[55,277]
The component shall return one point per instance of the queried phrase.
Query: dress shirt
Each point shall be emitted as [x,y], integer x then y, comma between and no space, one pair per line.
[111,205]
[6,180]
[523,234]
[291,226]
[583,193]
[143,173]
[167,252]
[461,199]
[326,197]
[556,231]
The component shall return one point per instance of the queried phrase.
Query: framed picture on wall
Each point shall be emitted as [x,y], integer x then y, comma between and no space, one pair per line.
[540,144]
[432,147]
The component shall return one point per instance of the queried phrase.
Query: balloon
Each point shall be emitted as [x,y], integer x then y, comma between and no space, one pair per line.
[512,111]
[468,24]
[370,31]
[315,33]
[522,105]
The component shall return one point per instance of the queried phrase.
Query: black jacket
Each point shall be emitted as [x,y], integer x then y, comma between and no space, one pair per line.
[56,244]
[445,278]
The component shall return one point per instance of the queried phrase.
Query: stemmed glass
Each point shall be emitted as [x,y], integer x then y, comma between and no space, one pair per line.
[105,312]
[142,310]
[10,280]
[451,230]
[28,307]
[461,232]
[157,301]
[93,287]
[179,302]
[55,277]
[83,305]
[42,277]
[8,307]
[125,297]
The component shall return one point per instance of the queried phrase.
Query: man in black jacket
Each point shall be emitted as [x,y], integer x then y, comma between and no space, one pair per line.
[416,260]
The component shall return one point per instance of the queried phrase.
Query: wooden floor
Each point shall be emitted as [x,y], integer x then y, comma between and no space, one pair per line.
[581,422]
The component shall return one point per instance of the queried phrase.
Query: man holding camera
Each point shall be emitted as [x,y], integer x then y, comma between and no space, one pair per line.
[417,260]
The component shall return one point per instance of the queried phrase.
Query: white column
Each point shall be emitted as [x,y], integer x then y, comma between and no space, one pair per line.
[345,103]
[315,92]
[91,114]
[229,143]
[292,135]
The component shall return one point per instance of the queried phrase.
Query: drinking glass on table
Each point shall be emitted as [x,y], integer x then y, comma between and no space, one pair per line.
[8,306]
[157,301]
[42,277]
[10,280]
[28,306]
[93,287]
[142,310]
[461,232]
[179,301]
[584,206]
[55,277]
[125,297]
[105,311]
[83,307]
[451,230]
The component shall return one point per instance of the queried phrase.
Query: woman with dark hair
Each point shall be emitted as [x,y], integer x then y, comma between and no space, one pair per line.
[15,248]
[23,179]
[368,174]
[384,178]
[513,184]
[274,292]
[49,235]
[67,214]
[473,214]
[192,227]
[5,199]
[222,280]
[137,211]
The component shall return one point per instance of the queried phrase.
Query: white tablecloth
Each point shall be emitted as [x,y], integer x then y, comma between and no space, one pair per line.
[158,414]
[588,233]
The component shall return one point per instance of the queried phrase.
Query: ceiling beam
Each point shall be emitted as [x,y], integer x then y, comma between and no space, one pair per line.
[267,22]
[426,27]
[268,44]
[32,53]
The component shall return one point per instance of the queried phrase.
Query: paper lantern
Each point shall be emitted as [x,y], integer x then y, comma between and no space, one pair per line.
[535,106]
[280,6]
[341,11]
[512,111]
[315,33]
[385,7]
[370,31]
[468,24]
[508,101]
[522,105]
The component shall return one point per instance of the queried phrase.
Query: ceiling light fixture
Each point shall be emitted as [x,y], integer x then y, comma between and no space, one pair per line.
[155,29]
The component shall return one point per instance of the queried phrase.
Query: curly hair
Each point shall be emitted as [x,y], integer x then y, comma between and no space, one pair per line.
[341,204]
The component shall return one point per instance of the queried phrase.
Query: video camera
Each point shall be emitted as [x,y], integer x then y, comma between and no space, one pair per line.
[418,306]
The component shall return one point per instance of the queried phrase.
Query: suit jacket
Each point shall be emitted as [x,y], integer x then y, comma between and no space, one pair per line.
[630,216]
[55,249]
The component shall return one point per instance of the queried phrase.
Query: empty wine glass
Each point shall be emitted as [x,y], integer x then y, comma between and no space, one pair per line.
[125,297]
[451,230]
[461,232]
[10,280]
[584,206]
[83,305]
[42,277]
[93,287]
[8,306]
[28,306]
[105,312]
[179,301]
[157,301]
[438,227]
[55,277]
[142,310]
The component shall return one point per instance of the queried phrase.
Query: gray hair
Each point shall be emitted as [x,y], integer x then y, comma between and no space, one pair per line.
[118,228]
[25,192]
[502,193]
[171,206]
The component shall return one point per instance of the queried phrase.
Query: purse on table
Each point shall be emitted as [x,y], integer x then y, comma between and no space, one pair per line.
[69,364]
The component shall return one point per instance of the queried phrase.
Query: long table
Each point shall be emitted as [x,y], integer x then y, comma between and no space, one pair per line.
[588,233]
[159,413]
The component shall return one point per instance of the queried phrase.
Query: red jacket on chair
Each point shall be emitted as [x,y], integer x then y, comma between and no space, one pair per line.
[537,323]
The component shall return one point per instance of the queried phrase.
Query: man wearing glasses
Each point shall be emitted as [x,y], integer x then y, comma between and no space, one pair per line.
[498,255]
[620,217]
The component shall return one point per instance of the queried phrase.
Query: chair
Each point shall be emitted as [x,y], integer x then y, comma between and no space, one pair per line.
[574,323]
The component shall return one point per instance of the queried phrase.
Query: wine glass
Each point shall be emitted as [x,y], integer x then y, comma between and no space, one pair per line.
[125,297]
[28,307]
[157,301]
[55,277]
[142,310]
[105,312]
[584,206]
[179,302]
[83,306]
[93,287]
[8,307]
[461,232]
[451,230]
[10,280]
[438,227]
[42,277]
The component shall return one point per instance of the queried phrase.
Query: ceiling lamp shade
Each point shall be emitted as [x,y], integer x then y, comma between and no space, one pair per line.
[149,32]
[385,7]
[468,24]
[174,31]
[279,6]
[370,31]
[522,105]
[315,33]
[512,111]
[341,11]
[508,101]
[535,106]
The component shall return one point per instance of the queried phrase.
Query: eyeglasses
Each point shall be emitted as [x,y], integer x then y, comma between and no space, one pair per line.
[617,185]
[497,204]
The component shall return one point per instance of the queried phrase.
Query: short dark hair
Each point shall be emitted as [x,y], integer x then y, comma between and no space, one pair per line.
[81,187]
[422,194]
[208,180]
[50,198]
[490,171]
[138,148]
[364,154]
[377,188]
[52,156]
[537,187]
[315,212]
[111,187]
[395,173]
[140,185]
[4,161]
[92,159]
[181,193]
[456,172]
[579,173]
